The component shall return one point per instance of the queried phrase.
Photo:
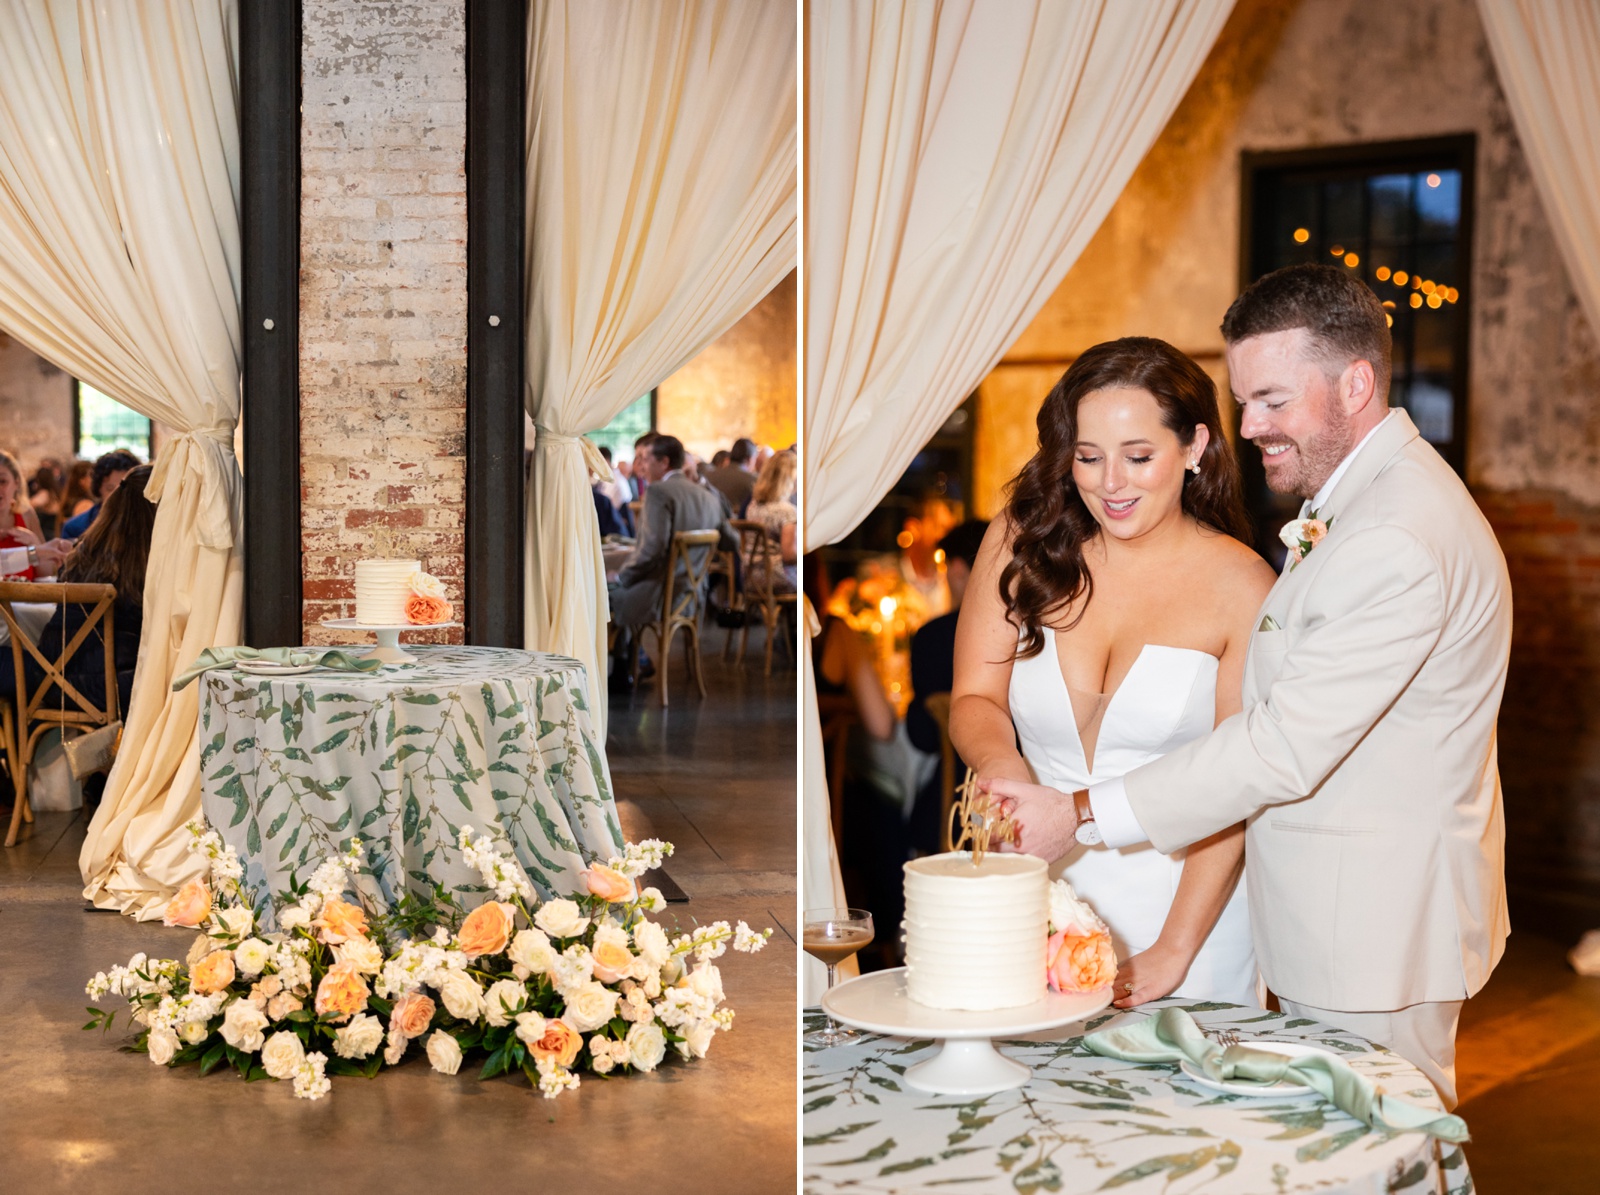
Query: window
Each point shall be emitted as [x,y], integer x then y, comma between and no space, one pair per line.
[1399,217]
[636,418]
[104,425]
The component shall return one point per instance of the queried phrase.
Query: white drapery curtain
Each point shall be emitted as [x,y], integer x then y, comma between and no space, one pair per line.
[661,208]
[119,262]
[1547,53]
[959,156]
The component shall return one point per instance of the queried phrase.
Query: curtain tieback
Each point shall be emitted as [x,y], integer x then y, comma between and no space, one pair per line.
[592,459]
[206,452]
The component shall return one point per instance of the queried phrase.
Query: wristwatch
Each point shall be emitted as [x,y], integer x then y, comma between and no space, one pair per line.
[1088,832]
[33,557]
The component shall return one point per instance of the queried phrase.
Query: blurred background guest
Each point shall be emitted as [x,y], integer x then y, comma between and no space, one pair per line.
[107,475]
[19,525]
[44,495]
[770,505]
[76,494]
[736,479]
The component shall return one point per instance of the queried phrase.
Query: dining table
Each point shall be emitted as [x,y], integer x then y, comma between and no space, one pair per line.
[297,764]
[32,617]
[1083,1122]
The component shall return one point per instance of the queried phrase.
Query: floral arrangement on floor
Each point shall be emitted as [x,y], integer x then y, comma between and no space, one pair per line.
[1079,956]
[546,988]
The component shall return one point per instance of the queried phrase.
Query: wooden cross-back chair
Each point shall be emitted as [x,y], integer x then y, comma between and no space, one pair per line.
[765,562]
[681,602]
[28,712]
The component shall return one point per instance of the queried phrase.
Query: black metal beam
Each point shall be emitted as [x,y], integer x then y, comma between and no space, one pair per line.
[496,51]
[269,178]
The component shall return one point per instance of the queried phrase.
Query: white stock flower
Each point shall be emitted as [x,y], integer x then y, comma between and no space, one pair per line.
[310,1080]
[504,999]
[561,919]
[461,995]
[329,879]
[396,1048]
[98,986]
[652,901]
[366,954]
[572,968]
[531,950]
[696,1038]
[530,1027]
[163,1044]
[242,1025]
[294,917]
[553,1080]
[238,920]
[282,1055]
[647,1045]
[590,1006]
[359,1038]
[444,1054]
[251,956]
[706,981]
[747,941]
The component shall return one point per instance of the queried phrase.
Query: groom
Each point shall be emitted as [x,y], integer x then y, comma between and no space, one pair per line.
[1364,758]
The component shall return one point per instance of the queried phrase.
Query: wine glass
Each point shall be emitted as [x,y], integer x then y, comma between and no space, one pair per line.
[833,935]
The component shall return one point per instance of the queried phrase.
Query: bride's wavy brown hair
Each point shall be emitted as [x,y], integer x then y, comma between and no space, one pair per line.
[1050,521]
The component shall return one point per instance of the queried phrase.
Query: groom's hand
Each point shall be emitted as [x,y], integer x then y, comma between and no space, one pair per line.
[1046,820]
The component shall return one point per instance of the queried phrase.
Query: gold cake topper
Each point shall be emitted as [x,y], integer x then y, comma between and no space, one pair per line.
[978,822]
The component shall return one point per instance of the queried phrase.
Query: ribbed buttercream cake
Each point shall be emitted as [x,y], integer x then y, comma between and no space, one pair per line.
[975,935]
[382,589]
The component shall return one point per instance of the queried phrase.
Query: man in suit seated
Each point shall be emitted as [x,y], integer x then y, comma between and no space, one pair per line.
[736,479]
[672,503]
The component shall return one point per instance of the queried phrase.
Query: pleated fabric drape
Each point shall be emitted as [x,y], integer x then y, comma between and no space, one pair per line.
[661,208]
[959,156]
[1547,53]
[119,262]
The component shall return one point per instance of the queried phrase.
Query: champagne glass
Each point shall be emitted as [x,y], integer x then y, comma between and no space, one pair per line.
[833,935]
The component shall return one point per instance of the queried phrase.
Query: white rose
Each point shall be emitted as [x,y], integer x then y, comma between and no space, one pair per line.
[530,1027]
[561,919]
[671,971]
[696,1038]
[503,994]
[1068,912]
[462,995]
[237,920]
[293,918]
[163,1044]
[194,1033]
[359,1038]
[251,955]
[366,954]
[610,934]
[590,1006]
[652,901]
[282,1055]
[651,942]
[242,1025]
[444,1055]
[647,1045]
[705,980]
[1291,535]
[532,951]
[427,585]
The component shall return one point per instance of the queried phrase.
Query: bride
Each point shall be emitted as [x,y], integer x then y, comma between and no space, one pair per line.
[1106,623]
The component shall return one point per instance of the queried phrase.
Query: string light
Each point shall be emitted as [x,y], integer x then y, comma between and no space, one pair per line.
[1302,235]
[1337,250]
[1434,180]
[1400,277]
[1416,300]
[1388,319]
[1434,300]
[1383,274]
[1352,260]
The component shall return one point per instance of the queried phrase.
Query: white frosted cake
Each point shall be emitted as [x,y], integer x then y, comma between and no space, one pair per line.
[382,589]
[975,935]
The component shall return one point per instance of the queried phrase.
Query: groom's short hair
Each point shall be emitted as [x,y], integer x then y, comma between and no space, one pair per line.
[1344,318]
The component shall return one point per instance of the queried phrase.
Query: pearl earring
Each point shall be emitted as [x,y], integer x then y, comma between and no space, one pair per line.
[1194,467]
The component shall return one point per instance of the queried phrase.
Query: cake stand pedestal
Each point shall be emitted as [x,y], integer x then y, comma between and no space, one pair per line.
[967,1062]
[388,649]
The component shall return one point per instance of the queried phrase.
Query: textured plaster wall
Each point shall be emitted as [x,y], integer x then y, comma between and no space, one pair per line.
[742,384]
[35,406]
[382,292]
[1329,72]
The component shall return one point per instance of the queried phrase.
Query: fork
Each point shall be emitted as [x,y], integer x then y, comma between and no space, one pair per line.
[1227,1038]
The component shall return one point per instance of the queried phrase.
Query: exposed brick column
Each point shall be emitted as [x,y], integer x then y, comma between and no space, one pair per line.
[383,295]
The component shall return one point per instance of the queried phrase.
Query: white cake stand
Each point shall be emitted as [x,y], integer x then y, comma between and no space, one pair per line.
[388,649]
[967,1063]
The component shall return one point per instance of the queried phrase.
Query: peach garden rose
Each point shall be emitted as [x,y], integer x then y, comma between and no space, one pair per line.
[422,610]
[340,920]
[560,1042]
[487,929]
[342,991]
[190,906]
[412,1014]
[212,973]
[608,883]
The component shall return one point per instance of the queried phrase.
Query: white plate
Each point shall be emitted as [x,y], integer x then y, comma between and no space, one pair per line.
[877,1002]
[1277,1090]
[272,668]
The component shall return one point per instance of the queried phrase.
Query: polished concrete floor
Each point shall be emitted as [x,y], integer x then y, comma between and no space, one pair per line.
[716,778]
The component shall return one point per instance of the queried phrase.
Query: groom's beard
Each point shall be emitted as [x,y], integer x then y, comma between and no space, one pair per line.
[1311,461]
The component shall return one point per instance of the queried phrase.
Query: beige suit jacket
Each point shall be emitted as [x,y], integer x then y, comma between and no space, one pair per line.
[1364,759]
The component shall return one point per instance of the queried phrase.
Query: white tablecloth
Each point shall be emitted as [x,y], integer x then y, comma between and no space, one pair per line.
[31,616]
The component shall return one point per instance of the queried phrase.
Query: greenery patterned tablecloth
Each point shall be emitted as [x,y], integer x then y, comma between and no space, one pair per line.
[501,740]
[1087,1123]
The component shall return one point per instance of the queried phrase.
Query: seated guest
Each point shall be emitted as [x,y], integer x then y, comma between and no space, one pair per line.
[44,494]
[613,492]
[736,479]
[672,503]
[770,506]
[76,496]
[114,551]
[109,470]
[19,525]
[719,458]
[639,477]
[933,651]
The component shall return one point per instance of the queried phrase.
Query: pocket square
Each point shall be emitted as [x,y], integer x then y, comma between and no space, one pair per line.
[1269,623]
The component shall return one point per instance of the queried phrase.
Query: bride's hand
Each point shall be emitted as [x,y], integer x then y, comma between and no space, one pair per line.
[1154,973]
[1045,818]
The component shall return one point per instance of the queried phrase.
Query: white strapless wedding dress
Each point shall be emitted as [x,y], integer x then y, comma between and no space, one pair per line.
[1072,740]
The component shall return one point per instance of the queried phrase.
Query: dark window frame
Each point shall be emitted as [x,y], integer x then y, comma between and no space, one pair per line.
[77,425]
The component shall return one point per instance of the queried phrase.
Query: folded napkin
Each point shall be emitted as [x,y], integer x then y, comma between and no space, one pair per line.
[227,657]
[1171,1035]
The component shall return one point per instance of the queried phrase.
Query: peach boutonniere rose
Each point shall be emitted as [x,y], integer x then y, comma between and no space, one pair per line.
[1301,535]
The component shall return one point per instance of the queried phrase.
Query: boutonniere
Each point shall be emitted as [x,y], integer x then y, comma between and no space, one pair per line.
[1301,535]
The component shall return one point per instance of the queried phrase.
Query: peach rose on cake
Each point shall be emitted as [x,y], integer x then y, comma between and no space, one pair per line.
[340,921]
[1076,963]
[212,973]
[342,991]
[560,1042]
[190,906]
[487,929]
[608,884]
[422,610]
[412,1014]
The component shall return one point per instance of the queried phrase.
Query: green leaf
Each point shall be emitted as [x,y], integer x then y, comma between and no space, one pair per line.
[212,1058]
[1325,1147]
[252,838]
[822,1101]
[413,815]
[902,1167]
[421,698]
[496,1064]
[1043,1175]
[839,1133]
[335,740]
[277,822]
[875,1154]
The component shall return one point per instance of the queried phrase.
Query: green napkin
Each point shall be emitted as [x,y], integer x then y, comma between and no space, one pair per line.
[1172,1035]
[226,657]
